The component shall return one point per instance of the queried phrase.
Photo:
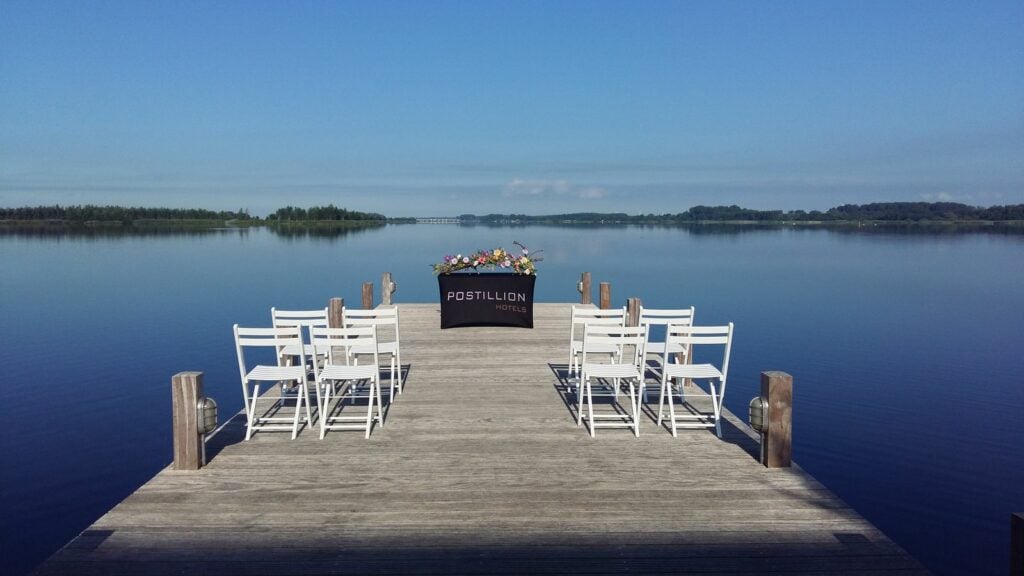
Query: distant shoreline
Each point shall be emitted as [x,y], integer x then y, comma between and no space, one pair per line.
[186,224]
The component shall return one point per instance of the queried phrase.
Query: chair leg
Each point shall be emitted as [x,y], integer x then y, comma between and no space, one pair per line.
[298,410]
[634,399]
[590,407]
[715,407]
[323,403]
[250,411]
[369,412]
[661,401]
[396,367]
[672,413]
[309,415]
[579,401]
[380,400]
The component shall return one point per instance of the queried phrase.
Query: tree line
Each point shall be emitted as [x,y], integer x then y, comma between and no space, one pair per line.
[322,214]
[877,212]
[90,213]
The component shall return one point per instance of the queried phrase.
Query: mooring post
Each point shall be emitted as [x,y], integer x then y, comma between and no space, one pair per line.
[633,311]
[336,312]
[367,295]
[777,438]
[584,289]
[186,390]
[606,295]
[1017,544]
[387,288]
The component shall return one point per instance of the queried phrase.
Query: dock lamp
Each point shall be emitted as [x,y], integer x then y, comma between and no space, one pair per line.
[758,414]
[207,415]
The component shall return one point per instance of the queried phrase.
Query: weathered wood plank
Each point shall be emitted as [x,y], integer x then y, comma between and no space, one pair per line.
[480,468]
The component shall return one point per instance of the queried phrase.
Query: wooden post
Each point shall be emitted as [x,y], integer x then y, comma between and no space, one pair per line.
[186,390]
[777,439]
[1017,544]
[606,295]
[387,288]
[633,311]
[336,313]
[584,289]
[367,295]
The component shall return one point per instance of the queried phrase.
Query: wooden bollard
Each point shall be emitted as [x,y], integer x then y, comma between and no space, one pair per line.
[606,295]
[186,390]
[1017,544]
[367,295]
[632,312]
[777,438]
[584,289]
[387,288]
[336,312]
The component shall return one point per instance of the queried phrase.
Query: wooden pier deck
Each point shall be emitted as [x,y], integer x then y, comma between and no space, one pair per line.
[480,468]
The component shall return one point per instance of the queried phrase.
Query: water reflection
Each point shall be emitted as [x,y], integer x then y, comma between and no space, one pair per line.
[339,230]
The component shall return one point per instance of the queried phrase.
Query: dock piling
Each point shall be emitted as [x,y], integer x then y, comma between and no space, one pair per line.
[633,311]
[777,438]
[336,312]
[367,295]
[585,289]
[606,295]
[387,288]
[186,390]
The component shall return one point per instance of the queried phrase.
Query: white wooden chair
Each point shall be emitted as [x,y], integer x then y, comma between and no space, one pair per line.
[602,338]
[306,319]
[586,315]
[385,319]
[272,339]
[656,350]
[716,377]
[340,376]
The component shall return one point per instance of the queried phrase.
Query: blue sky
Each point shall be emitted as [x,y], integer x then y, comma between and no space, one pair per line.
[437,108]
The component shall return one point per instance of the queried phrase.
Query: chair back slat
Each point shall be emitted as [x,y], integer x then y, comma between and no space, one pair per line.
[678,334]
[583,315]
[276,337]
[299,317]
[619,337]
[341,341]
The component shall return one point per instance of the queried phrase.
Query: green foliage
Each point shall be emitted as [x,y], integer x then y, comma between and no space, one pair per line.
[878,212]
[91,213]
[321,214]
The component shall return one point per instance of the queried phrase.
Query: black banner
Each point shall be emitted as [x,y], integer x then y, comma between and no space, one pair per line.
[486,300]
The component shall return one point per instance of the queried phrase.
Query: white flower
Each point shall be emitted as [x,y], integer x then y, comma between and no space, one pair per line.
[465,259]
[454,261]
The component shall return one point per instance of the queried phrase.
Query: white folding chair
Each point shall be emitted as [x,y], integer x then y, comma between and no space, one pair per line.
[306,319]
[656,350]
[272,339]
[690,336]
[582,316]
[386,320]
[602,338]
[340,376]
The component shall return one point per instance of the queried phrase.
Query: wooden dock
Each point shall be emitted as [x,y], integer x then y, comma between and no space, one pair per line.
[480,469]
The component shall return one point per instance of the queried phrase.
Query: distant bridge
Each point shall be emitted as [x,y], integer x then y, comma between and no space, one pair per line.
[439,220]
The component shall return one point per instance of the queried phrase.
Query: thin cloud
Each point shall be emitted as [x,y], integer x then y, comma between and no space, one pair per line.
[592,193]
[531,188]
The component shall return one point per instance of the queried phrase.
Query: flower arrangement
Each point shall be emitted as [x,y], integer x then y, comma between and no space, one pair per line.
[499,258]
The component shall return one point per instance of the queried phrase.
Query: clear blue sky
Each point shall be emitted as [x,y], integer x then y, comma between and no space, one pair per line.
[437,108]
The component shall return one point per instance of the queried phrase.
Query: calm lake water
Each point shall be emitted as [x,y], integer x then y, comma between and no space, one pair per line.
[907,352]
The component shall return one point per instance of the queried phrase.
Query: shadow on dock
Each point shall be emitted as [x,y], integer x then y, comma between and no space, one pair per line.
[733,431]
